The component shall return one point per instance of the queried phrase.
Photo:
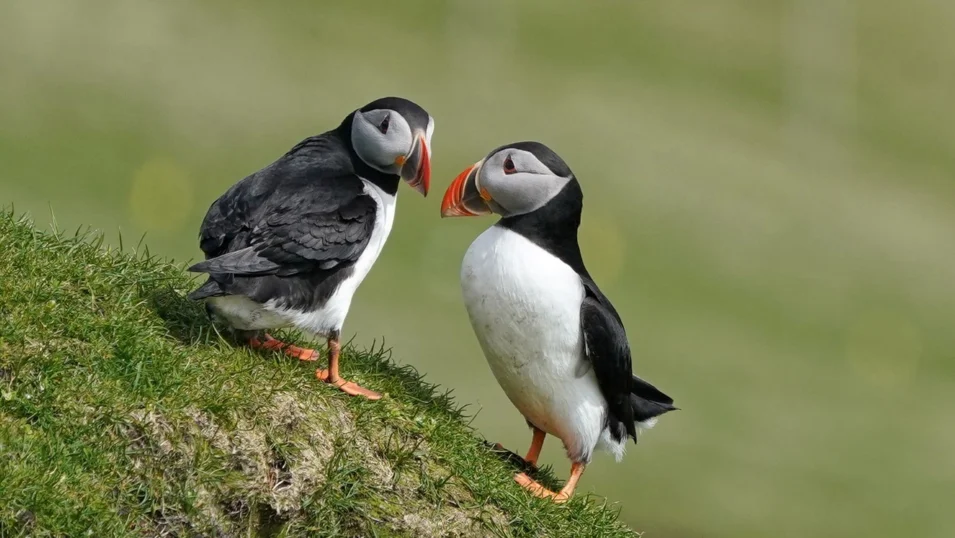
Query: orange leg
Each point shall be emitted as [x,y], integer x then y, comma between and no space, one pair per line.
[331,375]
[296,352]
[534,452]
[531,485]
[537,443]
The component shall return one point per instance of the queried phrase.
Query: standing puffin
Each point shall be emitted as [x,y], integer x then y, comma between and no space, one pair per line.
[553,340]
[288,245]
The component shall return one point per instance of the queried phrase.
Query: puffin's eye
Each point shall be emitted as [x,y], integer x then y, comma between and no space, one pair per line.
[509,166]
[383,126]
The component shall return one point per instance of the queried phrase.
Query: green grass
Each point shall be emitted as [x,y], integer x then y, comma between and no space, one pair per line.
[124,412]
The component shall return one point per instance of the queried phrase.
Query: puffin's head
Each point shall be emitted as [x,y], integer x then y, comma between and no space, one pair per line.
[393,135]
[512,180]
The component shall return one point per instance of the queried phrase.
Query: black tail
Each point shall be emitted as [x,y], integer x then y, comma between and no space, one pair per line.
[647,401]
[210,289]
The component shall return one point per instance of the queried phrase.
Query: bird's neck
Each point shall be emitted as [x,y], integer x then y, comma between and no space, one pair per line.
[553,226]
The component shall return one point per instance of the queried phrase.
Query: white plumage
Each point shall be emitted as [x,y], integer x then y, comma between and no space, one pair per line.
[524,306]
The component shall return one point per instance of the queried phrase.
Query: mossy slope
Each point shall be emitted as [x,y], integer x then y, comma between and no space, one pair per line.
[123,412]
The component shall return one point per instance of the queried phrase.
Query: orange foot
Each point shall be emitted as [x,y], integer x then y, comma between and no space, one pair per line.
[296,352]
[538,490]
[347,387]
[528,483]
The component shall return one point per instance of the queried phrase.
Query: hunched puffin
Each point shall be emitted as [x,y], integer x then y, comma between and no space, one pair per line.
[288,245]
[552,339]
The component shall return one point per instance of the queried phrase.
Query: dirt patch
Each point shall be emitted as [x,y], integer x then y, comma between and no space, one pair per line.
[267,464]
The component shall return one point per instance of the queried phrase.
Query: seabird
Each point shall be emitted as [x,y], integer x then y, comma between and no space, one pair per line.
[553,340]
[288,245]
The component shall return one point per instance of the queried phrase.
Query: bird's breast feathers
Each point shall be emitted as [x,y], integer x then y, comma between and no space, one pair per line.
[524,306]
[525,293]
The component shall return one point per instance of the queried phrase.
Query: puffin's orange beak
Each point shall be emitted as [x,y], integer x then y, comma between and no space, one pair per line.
[463,198]
[416,167]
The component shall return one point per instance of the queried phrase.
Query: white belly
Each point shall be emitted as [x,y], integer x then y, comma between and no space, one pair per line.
[524,305]
[243,313]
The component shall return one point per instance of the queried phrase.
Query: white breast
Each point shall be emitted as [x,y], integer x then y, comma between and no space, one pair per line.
[524,305]
[243,313]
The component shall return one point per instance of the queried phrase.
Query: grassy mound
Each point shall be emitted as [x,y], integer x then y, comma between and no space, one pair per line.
[123,412]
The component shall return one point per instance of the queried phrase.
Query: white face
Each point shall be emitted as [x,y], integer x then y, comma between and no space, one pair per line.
[385,141]
[382,138]
[515,182]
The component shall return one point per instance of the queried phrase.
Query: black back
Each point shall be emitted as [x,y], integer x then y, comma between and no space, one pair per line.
[293,230]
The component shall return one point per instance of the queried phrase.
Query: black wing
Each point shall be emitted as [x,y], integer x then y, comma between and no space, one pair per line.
[302,232]
[629,398]
[291,231]
[314,162]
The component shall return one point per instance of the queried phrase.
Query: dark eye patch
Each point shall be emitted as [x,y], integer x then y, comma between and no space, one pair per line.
[509,166]
[385,123]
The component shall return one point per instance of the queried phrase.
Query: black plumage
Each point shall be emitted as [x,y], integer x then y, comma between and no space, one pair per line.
[303,245]
[291,231]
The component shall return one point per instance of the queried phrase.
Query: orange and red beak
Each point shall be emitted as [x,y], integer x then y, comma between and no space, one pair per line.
[464,198]
[416,167]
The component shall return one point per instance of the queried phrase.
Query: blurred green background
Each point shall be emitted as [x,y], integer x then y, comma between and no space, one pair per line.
[770,203]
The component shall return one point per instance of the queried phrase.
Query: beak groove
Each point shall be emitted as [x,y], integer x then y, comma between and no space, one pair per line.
[416,168]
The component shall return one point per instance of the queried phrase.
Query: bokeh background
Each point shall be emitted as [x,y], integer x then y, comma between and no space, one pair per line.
[770,203]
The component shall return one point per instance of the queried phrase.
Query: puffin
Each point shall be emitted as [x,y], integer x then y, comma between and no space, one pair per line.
[288,245]
[553,340]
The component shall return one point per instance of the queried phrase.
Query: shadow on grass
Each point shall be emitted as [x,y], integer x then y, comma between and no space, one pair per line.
[185,320]
[513,459]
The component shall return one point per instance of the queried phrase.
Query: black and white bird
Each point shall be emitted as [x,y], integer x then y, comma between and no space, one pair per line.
[288,245]
[553,340]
